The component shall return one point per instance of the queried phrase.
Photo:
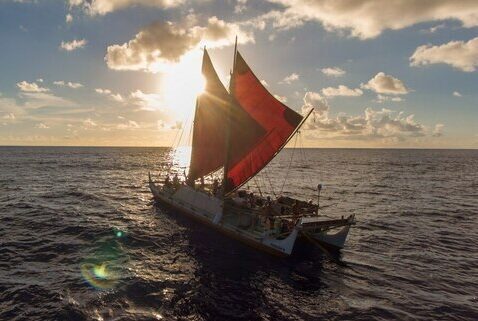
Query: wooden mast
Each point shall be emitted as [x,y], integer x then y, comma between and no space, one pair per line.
[228,122]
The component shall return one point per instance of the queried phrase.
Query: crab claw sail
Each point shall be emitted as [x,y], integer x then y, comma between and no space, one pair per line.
[209,131]
[216,116]
[277,121]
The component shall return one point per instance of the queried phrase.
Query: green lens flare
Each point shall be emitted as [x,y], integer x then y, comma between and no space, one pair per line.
[105,266]
[101,276]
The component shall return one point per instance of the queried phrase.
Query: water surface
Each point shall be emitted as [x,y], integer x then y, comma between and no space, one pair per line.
[81,240]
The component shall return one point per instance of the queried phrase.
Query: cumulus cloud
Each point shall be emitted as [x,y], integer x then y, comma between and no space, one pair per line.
[166,42]
[457,94]
[69,18]
[333,71]
[386,84]
[290,78]
[74,85]
[102,7]
[382,124]
[315,100]
[341,91]
[462,55]
[375,16]
[31,87]
[73,45]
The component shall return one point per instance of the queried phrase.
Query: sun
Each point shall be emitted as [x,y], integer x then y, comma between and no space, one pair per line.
[181,83]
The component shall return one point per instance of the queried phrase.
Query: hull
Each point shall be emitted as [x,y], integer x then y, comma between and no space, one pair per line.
[189,202]
[208,210]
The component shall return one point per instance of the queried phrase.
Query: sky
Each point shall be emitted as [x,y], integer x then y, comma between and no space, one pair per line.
[379,74]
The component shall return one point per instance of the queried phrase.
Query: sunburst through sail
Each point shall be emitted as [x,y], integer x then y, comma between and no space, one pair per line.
[241,130]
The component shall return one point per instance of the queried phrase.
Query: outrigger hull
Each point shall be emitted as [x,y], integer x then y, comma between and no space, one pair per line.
[208,210]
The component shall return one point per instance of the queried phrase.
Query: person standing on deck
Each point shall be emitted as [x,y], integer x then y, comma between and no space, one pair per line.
[176,180]
[215,186]
[167,182]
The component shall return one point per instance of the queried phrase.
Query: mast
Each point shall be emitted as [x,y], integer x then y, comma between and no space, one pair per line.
[228,122]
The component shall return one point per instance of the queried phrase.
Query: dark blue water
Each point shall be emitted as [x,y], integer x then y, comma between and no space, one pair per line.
[81,240]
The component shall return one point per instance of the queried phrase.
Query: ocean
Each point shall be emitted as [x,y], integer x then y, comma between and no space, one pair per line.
[81,239]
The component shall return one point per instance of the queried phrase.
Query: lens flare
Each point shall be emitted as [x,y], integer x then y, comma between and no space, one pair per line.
[104,268]
[101,276]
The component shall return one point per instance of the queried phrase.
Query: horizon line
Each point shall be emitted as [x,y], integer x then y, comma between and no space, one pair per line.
[119,146]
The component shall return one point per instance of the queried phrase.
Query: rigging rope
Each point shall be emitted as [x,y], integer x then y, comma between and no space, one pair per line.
[290,164]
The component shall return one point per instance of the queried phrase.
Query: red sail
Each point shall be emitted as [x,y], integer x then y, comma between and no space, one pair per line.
[277,121]
[209,131]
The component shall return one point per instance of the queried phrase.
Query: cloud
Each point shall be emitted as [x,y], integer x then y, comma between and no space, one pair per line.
[386,84]
[146,101]
[282,99]
[459,54]
[88,123]
[289,79]
[438,130]
[333,71]
[241,6]
[31,87]
[74,85]
[383,98]
[34,100]
[130,124]
[163,43]
[69,18]
[103,91]
[143,101]
[341,91]
[315,100]
[109,94]
[42,126]
[435,28]
[457,94]
[375,16]
[73,45]
[9,116]
[383,124]
[102,7]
